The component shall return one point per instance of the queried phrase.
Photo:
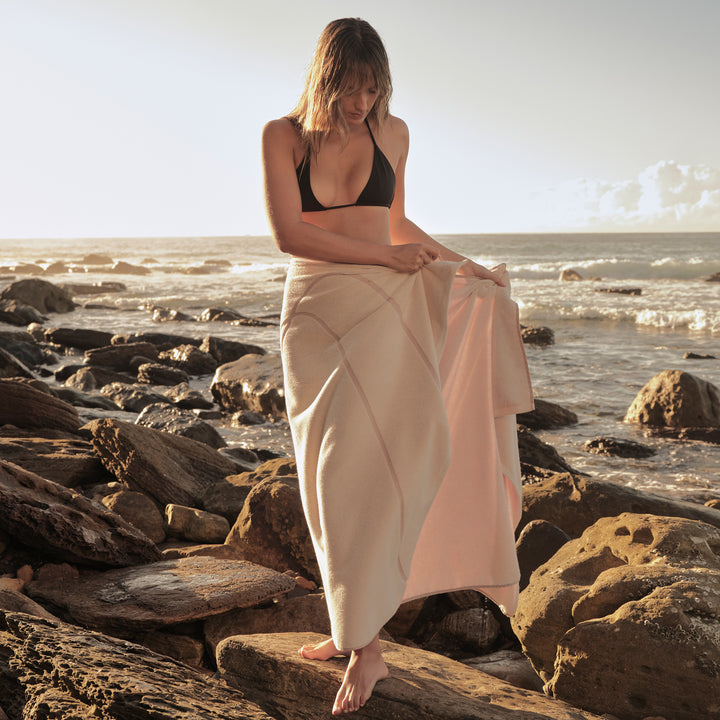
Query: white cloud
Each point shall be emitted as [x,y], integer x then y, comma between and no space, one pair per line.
[665,196]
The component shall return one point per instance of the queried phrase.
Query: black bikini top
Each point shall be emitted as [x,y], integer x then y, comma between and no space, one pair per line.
[379,190]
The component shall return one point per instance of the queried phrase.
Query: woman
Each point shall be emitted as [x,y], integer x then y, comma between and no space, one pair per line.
[363,327]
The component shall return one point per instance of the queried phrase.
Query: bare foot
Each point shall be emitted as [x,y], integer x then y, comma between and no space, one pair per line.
[365,668]
[320,651]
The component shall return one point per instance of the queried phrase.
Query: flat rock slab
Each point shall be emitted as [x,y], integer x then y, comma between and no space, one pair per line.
[66,462]
[164,593]
[53,670]
[66,525]
[421,684]
[169,468]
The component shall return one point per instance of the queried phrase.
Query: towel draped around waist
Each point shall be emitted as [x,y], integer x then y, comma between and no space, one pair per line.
[384,373]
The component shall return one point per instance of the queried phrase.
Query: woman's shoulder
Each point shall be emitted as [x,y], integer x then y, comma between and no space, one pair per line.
[281,128]
[394,133]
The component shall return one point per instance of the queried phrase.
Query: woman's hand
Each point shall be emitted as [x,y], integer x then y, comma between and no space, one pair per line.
[410,257]
[480,271]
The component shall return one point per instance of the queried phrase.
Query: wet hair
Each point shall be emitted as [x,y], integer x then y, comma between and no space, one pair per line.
[349,52]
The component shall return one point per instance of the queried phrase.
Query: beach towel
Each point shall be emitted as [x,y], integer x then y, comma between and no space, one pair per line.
[401,391]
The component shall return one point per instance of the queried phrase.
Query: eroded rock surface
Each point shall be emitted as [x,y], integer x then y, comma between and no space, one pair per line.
[147,597]
[625,619]
[169,468]
[676,399]
[573,503]
[26,406]
[421,684]
[254,382]
[59,521]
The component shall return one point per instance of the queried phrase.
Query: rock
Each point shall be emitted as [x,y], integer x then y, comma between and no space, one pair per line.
[14,312]
[254,382]
[713,503]
[195,525]
[509,665]
[306,613]
[271,528]
[715,277]
[639,587]
[421,684]
[186,649]
[96,259]
[698,356]
[675,398]
[27,407]
[174,549]
[183,396]
[80,338]
[472,628]
[536,544]
[700,434]
[244,417]
[535,452]
[219,314]
[118,357]
[15,601]
[161,314]
[162,341]
[570,275]
[62,523]
[618,448]
[133,398]
[169,468]
[148,597]
[125,268]
[23,347]
[67,462]
[59,267]
[574,503]
[28,269]
[10,366]
[54,670]
[225,351]
[179,422]
[77,398]
[99,288]
[190,359]
[538,336]
[158,374]
[547,416]
[139,510]
[620,290]
[227,497]
[40,294]
[93,378]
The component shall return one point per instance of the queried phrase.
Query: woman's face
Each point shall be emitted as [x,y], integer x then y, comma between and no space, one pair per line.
[359,101]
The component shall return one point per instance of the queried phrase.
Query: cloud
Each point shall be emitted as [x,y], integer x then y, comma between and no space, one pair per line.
[665,196]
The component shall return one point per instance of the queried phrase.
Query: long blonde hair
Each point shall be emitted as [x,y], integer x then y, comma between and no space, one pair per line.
[348,52]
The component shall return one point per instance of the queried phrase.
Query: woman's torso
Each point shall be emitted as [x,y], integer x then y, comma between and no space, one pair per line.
[340,175]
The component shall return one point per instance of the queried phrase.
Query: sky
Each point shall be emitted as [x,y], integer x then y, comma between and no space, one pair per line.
[124,118]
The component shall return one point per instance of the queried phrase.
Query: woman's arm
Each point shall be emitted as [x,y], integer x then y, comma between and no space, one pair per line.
[302,239]
[403,230]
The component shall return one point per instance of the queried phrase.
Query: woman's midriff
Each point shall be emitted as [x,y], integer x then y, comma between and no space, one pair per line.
[362,223]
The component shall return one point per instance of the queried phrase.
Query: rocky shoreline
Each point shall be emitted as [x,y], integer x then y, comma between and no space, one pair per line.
[149,570]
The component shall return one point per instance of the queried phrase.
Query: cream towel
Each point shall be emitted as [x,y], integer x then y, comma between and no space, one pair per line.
[374,405]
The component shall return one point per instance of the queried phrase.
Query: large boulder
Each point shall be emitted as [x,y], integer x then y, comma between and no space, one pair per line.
[11,366]
[40,294]
[271,528]
[128,601]
[27,406]
[62,523]
[169,468]
[421,684]
[131,396]
[80,338]
[225,351]
[676,399]
[54,670]
[254,382]
[538,454]
[625,619]
[14,312]
[573,503]
[190,359]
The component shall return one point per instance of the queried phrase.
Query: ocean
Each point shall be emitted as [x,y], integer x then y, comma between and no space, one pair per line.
[608,345]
